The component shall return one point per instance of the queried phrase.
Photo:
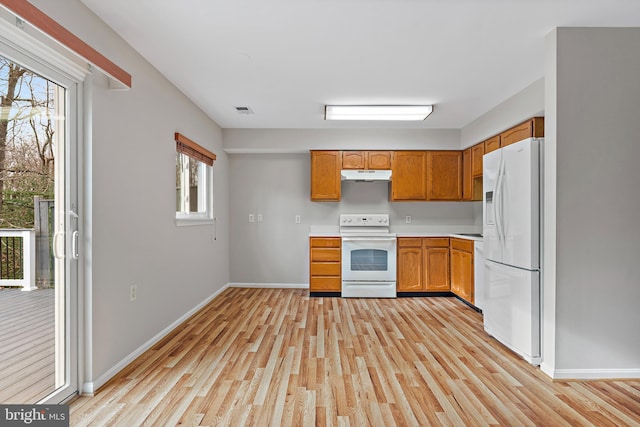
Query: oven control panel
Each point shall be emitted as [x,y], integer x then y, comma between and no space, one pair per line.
[364,220]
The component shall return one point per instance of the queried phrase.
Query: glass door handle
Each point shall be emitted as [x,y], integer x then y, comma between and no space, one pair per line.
[57,253]
[74,245]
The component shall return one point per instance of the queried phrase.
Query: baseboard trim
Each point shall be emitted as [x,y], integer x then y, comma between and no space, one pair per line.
[270,285]
[594,374]
[90,388]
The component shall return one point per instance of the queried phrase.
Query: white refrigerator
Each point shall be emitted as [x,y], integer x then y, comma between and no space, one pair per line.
[511,230]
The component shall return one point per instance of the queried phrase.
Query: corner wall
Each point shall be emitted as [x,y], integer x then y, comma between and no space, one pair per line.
[596,130]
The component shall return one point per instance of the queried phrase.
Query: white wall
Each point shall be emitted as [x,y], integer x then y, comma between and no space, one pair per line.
[303,140]
[527,103]
[134,239]
[595,128]
[277,185]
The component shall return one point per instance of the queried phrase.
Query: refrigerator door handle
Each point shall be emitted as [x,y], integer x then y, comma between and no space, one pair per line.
[497,204]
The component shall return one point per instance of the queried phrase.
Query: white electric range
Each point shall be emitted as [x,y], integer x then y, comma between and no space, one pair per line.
[368,256]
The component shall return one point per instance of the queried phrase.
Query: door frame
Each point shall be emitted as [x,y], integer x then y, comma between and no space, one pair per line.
[43,58]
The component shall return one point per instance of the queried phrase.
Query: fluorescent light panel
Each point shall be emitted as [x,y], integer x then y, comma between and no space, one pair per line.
[377,112]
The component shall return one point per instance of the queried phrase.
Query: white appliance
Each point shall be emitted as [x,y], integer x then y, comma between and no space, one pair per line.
[365,175]
[368,256]
[511,229]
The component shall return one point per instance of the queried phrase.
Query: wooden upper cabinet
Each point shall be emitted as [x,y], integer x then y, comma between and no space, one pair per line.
[531,128]
[366,160]
[325,175]
[477,151]
[444,175]
[408,176]
[491,144]
[467,178]
[354,160]
[379,160]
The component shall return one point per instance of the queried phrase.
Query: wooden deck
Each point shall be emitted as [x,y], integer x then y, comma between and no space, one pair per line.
[273,357]
[26,345]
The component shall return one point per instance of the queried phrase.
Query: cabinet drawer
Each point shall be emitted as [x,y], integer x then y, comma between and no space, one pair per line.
[325,254]
[439,242]
[410,242]
[325,269]
[325,242]
[322,283]
[462,244]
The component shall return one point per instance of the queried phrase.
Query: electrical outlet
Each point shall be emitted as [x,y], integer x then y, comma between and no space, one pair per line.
[407,219]
[251,218]
[259,217]
[298,219]
[133,292]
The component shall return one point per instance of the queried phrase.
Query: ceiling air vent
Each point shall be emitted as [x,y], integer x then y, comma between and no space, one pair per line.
[244,110]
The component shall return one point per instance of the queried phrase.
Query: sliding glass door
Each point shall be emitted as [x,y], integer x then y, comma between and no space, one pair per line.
[39,230]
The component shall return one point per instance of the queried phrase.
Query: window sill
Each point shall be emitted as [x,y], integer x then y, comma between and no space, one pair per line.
[186,222]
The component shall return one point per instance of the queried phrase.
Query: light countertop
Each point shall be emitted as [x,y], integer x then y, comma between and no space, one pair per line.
[403,231]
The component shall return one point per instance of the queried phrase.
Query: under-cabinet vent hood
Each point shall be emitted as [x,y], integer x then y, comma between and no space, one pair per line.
[365,175]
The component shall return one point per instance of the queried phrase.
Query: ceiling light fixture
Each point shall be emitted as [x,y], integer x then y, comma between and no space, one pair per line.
[377,112]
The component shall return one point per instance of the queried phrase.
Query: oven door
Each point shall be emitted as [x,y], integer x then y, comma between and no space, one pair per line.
[369,259]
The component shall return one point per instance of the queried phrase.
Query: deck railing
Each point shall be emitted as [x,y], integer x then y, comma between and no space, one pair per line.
[18,258]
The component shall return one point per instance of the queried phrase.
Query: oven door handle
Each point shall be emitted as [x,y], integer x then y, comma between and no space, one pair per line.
[368,239]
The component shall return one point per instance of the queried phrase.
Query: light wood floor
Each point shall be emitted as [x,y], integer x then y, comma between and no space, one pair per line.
[27,345]
[277,357]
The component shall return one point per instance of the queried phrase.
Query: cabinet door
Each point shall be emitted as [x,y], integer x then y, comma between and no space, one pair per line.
[379,160]
[325,175]
[408,176]
[516,133]
[456,271]
[492,144]
[477,151]
[462,274]
[436,265]
[533,127]
[444,175]
[354,160]
[409,269]
[467,178]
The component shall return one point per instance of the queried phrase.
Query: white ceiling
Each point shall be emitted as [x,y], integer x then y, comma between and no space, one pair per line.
[286,59]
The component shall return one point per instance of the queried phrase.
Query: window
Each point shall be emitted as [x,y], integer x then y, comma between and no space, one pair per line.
[194,183]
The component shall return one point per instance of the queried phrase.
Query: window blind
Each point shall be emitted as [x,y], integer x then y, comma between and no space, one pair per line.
[192,149]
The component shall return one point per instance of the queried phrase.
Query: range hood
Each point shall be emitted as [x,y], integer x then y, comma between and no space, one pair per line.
[365,175]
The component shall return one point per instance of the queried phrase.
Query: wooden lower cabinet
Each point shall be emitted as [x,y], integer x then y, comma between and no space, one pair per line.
[462,268]
[325,269]
[423,264]
[436,263]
